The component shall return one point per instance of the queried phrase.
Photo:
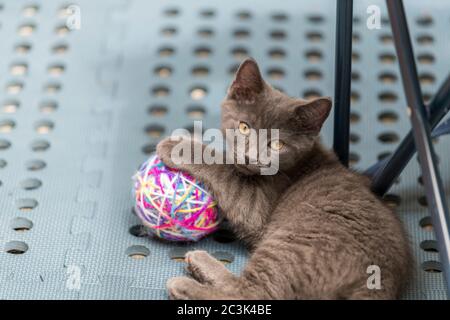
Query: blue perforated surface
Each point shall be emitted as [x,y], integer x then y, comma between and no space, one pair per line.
[126,79]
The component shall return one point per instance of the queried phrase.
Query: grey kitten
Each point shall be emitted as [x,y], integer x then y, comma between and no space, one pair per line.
[314,228]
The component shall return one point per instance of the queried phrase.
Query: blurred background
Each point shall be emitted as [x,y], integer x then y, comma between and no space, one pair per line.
[88,88]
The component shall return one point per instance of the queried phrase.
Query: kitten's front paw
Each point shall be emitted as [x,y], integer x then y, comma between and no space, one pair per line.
[164,150]
[184,288]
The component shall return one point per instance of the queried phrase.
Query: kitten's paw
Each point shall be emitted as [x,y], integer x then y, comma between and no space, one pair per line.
[206,269]
[164,150]
[184,288]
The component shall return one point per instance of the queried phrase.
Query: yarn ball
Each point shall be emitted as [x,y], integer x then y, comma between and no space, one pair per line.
[173,204]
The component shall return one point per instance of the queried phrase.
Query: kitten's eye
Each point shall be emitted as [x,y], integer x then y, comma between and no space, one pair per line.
[276,145]
[244,128]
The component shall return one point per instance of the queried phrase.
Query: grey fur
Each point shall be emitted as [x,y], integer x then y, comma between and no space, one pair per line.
[314,228]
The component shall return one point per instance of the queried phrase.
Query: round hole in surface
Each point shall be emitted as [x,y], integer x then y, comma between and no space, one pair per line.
[425,58]
[18,69]
[392,200]
[21,224]
[4,144]
[62,30]
[387,58]
[172,12]
[432,266]
[35,165]
[243,15]
[241,33]
[14,87]
[313,55]
[239,53]
[277,34]
[10,106]
[26,30]
[426,78]
[207,13]
[154,130]
[40,145]
[387,77]
[388,117]
[427,97]
[160,91]
[355,56]
[30,10]
[356,76]
[60,48]
[279,16]
[178,254]
[202,52]
[3,163]
[26,204]
[386,38]
[388,137]
[354,97]
[223,256]
[387,97]
[149,148]
[163,71]
[30,184]
[44,126]
[313,75]
[52,88]
[424,20]
[354,138]
[169,31]
[48,106]
[426,224]
[22,48]
[166,51]
[137,252]
[138,231]
[56,70]
[316,18]
[422,201]
[277,54]
[275,73]
[354,117]
[205,32]
[311,94]
[198,93]
[196,112]
[356,37]
[7,126]
[314,36]
[16,247]
[158,110]
[200,71]
[429,246]
[425,39]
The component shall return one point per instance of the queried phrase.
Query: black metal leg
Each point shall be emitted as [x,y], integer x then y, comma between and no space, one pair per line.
[342,79]
[421,132]
[386,171]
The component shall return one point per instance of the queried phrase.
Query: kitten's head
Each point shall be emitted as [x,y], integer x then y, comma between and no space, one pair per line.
[251,103]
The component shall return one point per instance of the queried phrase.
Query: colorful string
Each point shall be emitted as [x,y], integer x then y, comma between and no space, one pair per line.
[172,203]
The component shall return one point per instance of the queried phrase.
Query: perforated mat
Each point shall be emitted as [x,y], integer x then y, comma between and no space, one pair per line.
[81,109]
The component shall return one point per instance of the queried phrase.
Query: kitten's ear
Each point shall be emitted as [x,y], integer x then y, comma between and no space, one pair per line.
[312,114]
[248,82]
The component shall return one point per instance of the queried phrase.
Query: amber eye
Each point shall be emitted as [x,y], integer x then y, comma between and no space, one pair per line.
[276,145]
[244,128]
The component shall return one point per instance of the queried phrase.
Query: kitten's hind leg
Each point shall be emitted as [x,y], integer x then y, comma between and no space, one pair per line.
[207,269]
